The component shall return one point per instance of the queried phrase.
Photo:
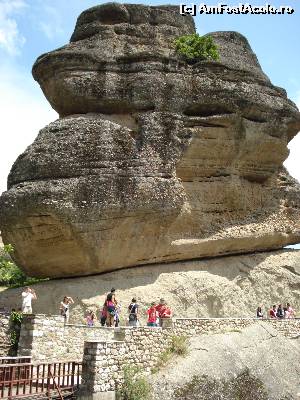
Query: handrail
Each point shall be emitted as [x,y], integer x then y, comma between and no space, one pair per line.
[28,379]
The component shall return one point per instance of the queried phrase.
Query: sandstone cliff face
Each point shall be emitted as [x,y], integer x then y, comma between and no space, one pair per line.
[153,159]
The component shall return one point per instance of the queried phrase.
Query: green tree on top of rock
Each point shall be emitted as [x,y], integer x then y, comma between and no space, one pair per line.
[196,48]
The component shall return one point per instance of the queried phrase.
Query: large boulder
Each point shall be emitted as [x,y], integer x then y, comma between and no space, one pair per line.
[153,159]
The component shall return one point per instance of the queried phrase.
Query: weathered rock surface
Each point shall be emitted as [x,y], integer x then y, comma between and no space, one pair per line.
[254,364]
[153,160]
[232,286]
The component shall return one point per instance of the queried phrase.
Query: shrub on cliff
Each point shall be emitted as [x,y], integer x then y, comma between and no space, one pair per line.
[196,48]
[135,386]
[178,346]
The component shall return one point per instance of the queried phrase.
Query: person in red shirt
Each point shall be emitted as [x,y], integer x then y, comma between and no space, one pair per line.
[273,312]
[152,315]
[160,306]
[163,311]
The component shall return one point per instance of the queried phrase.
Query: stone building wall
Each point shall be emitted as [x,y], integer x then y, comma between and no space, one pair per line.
[5,345]
[46,337]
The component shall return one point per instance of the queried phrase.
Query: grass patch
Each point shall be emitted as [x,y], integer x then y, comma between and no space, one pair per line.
[178,346]
[135,386]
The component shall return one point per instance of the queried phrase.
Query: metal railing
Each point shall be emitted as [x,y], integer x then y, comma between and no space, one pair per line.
[49,380]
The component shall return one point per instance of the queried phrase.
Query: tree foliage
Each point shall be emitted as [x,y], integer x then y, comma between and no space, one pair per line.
[10,274]
[196,48]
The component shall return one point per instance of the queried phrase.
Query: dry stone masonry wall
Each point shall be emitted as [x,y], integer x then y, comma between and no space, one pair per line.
[5,342]
[48,338]
[103,361]
[106,351]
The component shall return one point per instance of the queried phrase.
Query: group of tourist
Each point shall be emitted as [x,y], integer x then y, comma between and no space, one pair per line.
[157,312]
[277,312]
[110,311]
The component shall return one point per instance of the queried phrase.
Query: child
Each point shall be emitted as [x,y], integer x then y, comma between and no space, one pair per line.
[90,318]
[152,315]
[103,315]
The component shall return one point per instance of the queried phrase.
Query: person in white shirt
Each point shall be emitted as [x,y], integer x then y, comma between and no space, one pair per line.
[65,308]
[27,296]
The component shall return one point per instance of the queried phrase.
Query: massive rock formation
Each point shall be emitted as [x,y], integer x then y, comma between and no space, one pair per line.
[152,159]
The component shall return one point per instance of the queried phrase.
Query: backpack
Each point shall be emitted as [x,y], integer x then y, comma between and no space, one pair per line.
[132,315]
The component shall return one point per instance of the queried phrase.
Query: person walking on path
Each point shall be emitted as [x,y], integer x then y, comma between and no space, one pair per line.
[152,315]
[259,313]
[290,312]
[65,308]
[90,318]
[133,313]
[163,311]
[280,312]
[103,315]
[27,296]
[117,308]
[273,312]
[111,309]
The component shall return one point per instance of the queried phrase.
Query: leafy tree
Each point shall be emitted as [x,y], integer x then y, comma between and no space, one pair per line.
[196,48]
[10,274]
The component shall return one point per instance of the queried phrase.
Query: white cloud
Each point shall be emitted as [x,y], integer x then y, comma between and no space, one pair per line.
[24,111]
[53,25]
[11,40]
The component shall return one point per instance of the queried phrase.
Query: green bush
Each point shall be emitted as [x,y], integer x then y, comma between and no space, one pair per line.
[15,328]
[135,386]
[10,274]
[178,346]
[196,48]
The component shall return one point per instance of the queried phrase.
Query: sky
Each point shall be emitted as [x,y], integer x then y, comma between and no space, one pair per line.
[29,28]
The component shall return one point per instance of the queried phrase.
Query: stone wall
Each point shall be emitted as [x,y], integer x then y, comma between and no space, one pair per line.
[196,326]
[5,346]
[46,337]
[103,361]
[287,327]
